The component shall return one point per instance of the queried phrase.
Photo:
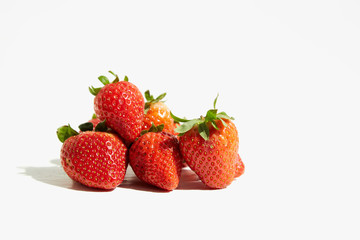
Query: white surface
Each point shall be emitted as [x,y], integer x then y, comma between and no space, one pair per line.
[287,71]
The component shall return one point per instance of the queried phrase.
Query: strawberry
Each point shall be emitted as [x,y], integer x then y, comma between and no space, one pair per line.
[239,165]
[121,104]
[93,158]
[155,158]
[156,112]
[209,146]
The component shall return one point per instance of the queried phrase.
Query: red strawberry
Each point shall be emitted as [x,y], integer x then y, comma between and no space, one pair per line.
[239,165]
[156,112]
[155,158]
[95,159]
[121,104]
[209,146]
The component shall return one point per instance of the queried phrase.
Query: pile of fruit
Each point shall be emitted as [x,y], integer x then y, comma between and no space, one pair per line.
[127,130]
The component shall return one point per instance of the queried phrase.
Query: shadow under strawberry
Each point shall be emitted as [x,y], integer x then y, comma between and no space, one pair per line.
[131,181]
[55,175]
[188,181]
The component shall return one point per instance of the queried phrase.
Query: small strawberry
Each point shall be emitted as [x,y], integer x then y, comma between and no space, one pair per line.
[121,104]
[155,158]
[209,146]
[93,158]
[239,165]
[156,112]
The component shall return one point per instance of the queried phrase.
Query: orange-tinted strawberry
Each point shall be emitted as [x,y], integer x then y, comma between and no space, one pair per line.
[121,104]
[95,159]
[155,158]
[156,112]
[239,165]
[209,146]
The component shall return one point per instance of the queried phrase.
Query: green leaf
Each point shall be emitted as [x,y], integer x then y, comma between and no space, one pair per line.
[148,97]
[143,132]
[126,79]
[94,91]
[153,128]
[177,119]
[187,125]
[204,131]
[88,126]
[160,97]
[65,132]
[116,77]
[223,122]
[214,125]
[211,115]
[160,127]
[224,115]
[104,80]
[215,101]
[93,116]
[101,127]
[147,107]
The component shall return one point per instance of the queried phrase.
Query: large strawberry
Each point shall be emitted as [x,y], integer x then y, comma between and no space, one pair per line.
[209,146]
[94,158]
[121,104]
[155,158]
[156,112]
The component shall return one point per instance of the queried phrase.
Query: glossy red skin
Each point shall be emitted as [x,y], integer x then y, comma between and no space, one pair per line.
[239,165]
[159,113]
[156,160]
[95,159]
[122,105]
[212,160]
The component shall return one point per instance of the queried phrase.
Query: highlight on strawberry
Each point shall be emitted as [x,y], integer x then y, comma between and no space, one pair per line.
[121,104]
[157,112]
[93,157]
[209,145]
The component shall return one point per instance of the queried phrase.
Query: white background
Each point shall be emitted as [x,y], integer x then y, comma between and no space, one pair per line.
[288,71]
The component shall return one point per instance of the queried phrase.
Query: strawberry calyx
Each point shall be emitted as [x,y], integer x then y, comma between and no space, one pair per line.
[66,131]
[153,128]
[211,117]
[150,99]
[104,80]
